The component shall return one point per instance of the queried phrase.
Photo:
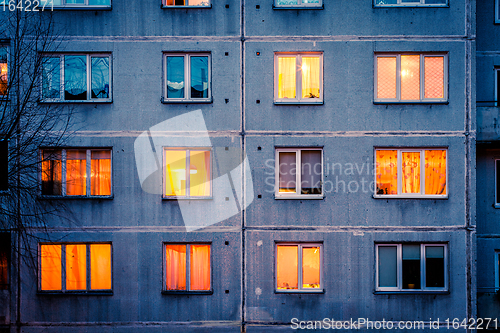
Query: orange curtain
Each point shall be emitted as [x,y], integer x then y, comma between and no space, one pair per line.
[50,270]
[100,175]
[3,78]
[410,77]
[434,77]
[199,173]
[411,172]
[175,172]
[310,77]
[100,266]
[51,172]
[310,267]
[76,172]
[387,171]
[176,267]
[287,267]
[76,267]
[386,77]
[200,267]
[287,72]
[435,172]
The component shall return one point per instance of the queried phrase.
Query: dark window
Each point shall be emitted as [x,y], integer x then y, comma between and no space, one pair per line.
[497,177]
[4,260]
[4,165]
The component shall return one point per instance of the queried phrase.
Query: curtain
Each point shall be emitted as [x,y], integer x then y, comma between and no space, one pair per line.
[387,171]
[200,267]
[434,77]
[311,171]
[287,267]
[76,267]
[100,266]
[51,172]
[287,71]
[310,267]
[199,173]
[310,77]
[50,267]
[410,77]
[435,172]
[175,172]
[386,77]
[176,267]
[76,172]
[100,172]
[411,172]
[287,172]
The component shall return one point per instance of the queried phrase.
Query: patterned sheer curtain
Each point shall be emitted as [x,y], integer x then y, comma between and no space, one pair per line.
[387,171]
[100,175]
[176,267]
[310,77]
[411,172]
[76,172]
[435,172]
[287,71]
[200,267]
[76,267]
[199,173]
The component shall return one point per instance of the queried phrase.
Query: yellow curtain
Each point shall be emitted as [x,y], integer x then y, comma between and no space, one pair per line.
[51,172]
[100,175]
[50,270]
[386,77]
[387,171]
[176,267]
[434,77]
[200,267]
[100,266]
[310,267]
[76,267]
[287,267]
[310,77]
[175,172]
[3,78]
[410,77]
[199,173]
[435,172]
[411,172]
[287,71]
[76,172]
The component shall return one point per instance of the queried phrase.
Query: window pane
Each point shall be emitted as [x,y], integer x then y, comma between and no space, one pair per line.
[286,77]
[434,266]
[176,267]
[100,172]
[175,172]
[75,77]
[431,2]
[175,2]
[79,2]
[100,266]
[411,172]
[410,77]
[387,2]
[287,172]
[435,172]
[387,266]
[386,77]
[310,77]
[287,267]
[175,77]
[497,170]
[434,77]
[387,171]
[51,172]
[411,266]
[100,2]
[4,165]
[3,71]
[199,77]
[50,271]
[4,260]
[76,172]
[310,1]
[310,267]
[199,173]
[100,77]
[286,2]
[199,2]
[51,78]
[311,172]
[200,267]
[76,267]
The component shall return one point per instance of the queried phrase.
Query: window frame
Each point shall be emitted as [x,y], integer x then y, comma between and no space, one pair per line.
[164,6]
[187,76]
[298,176]
[188,290]
[63,290]
[401,195]
[6,47]
[88,81]
[5,248]
[497,11]
[4,167]
[422,99]
[300,289]
[298,78]
[299,5]
[79,6]
[497,85]
[88,166]
[497,270]
[497,179]
[418,3]
[399,267]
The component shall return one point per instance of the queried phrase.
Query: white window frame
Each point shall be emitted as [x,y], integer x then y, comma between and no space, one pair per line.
[88,289]
[89,79]
[298,180]
[415,3]
[497,72]
[299,4]
[85,5]
[422,79]
[399,287]
[497,199]
[497,11]
[164,5]
[187,77]
[298,79]
[497,270]
[188,185]
[400,175]
[300,246]
[88,168]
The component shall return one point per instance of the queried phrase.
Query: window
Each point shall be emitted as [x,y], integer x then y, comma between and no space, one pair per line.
[497,270]
[4,260]
[298,267]
[75,267]
[411,173]
[497,11]
[68,77]
[187,77]
[298,3]
[188,173]
[3,71]
[411,78]
[4,165]
[411,3]
[187,268]
[305,182]
[497,183]
[298,78]
[90,4]
[186,3]
[411,267]
[64,172]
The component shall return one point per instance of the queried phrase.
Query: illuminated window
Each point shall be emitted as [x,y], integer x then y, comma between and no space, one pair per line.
[298,267]
[187,267]
[411,78]
[186,3]
[86,267]
[4,260]
[298,3]
[64,172]
[304,182]
[411,3]
[187,173]
[3,71]
[90,4]
[187,77]
[411,267]
[411,173]
[76,77]
[298,78]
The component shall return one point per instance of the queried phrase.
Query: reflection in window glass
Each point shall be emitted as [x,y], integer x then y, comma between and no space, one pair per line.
[175,77]
[199,77]
[52,172]
[51,78]
[75,77]
[100,77]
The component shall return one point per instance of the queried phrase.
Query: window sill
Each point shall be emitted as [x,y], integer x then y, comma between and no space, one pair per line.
[416,292]
[299,7]
[294,291]
[295,102]
[186,198]
[413,5]
[186,7]
[300,197]
[496,206]
[78,197]
[186,101]
[76,7]
[76,293]
[409,102]
[187,292]
[431,197]
[94,101]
